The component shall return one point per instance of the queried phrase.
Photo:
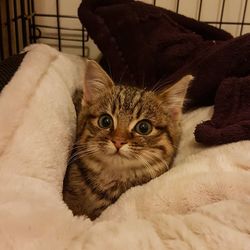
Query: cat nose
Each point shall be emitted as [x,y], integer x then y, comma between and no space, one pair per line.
[119,143]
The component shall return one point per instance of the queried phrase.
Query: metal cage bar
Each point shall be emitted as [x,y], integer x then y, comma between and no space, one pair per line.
[24,27]
[20,26]
[243,17]
[33,21]
[58,25]
[177,6]
[9,31]
[29,16]
[1,36]
[16,26]
[200,8]
[222,13]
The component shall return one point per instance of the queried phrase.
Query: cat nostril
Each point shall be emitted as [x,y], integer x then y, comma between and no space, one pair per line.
[118,144]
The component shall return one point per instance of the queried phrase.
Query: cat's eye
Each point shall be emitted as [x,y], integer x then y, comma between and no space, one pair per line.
[105,121]
[143,127]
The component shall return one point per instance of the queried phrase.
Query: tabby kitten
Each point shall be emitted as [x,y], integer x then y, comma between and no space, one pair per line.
[125,137]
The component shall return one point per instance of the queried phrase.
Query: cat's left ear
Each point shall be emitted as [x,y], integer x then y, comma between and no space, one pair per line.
[96,82]
[173,97]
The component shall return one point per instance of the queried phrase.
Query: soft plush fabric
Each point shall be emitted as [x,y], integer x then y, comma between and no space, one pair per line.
[231,119]
[148,46]
[202,203]
[37,126]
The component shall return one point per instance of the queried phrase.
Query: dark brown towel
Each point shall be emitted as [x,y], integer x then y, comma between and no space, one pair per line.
[212,66]
[231,118]
[144,44]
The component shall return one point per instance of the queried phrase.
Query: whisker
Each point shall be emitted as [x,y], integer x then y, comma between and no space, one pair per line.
[159,84]
[143,160]
[155,157]
[73,156]
[151,157]
[83,152]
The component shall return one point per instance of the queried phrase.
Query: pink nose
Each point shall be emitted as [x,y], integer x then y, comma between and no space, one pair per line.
[119,143]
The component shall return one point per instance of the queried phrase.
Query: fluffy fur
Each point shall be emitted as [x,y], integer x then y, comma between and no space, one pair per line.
[109,159]
[203,202]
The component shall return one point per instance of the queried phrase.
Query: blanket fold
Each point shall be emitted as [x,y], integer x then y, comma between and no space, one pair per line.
[231,119]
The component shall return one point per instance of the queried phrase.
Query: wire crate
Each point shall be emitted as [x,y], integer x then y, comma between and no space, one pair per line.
[55,22]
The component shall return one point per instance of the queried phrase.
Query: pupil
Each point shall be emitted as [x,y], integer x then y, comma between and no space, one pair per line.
[106,122]
[143,128]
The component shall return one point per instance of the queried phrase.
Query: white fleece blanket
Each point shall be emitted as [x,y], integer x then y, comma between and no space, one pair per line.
[202,203]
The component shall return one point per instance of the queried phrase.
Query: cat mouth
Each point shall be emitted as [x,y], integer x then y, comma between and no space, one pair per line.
[120,154]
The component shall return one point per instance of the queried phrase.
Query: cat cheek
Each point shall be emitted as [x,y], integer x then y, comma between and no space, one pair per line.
[110,148]
[125,150]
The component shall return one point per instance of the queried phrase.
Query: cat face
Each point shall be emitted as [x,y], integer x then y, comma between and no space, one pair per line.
[125,127]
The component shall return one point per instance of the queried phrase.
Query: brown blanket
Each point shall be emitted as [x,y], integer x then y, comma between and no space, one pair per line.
[231,118]
[151,47]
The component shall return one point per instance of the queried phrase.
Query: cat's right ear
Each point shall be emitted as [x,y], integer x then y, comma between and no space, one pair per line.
[174,96]
[96,82]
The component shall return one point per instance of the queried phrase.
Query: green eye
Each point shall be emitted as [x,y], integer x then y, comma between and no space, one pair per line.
[105,121]
[143,127]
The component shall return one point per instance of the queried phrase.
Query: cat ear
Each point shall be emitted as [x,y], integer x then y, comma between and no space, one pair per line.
[96,82]
[173,97]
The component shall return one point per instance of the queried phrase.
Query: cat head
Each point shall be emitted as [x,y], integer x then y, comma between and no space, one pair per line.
[126,127]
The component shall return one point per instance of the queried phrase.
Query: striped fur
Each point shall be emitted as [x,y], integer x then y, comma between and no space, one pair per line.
[98,172]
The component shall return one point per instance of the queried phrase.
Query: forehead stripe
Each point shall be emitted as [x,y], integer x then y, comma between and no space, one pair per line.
[114,104]
[139,112]
[113,107]
[139,99]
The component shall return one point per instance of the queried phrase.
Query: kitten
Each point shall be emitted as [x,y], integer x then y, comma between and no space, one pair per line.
[125,137]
